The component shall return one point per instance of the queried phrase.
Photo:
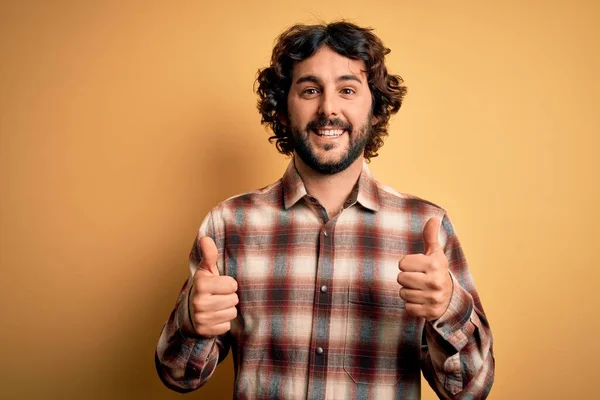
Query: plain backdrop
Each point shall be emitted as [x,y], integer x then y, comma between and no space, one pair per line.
[124,122]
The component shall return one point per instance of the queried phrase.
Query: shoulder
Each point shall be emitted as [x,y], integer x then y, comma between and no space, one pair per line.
[397,206]
[263,200]
[391,199]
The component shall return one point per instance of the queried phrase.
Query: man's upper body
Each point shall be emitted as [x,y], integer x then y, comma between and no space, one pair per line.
[327,284]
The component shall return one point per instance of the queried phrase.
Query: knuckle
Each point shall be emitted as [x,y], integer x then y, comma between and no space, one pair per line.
[233,284]
[411,308]
[434,282]
[429,295]
[226,327]
[439,282]
[198,303]
[199,321]
[204,308]
[202,286]
[406,261]
[436,297]
[434,265]
[202,330]
[400,279]
[227,282]
[434,313]
[205,317]
[201,308]
[403,293]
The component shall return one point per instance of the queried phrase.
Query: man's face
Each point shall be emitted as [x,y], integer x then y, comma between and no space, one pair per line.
[329,111]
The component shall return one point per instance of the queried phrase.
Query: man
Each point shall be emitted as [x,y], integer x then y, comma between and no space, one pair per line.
[327,284]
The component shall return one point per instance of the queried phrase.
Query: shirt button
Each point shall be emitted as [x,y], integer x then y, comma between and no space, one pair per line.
[323,289]
[319,350]
[325,233]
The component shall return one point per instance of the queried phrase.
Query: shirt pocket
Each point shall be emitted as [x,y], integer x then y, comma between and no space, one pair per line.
[378,347]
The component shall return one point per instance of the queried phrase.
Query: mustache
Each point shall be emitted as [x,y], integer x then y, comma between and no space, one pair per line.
[329,122]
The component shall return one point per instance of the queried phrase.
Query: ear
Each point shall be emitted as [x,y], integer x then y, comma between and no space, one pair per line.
[283,120]
[374,120]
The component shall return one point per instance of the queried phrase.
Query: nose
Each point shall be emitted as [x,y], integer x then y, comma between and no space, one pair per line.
[329,105]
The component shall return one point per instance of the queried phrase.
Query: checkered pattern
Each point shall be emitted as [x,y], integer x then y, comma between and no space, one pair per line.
[320,315]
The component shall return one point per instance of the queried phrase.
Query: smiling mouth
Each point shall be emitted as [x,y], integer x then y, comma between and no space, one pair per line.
[329,133]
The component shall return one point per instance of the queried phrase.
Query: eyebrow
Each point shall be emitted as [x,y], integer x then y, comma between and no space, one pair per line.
[314,79]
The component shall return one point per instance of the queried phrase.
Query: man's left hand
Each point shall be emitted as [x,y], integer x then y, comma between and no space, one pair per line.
[425,279]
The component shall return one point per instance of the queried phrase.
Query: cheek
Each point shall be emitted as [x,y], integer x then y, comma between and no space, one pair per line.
[300,113]
[360,115]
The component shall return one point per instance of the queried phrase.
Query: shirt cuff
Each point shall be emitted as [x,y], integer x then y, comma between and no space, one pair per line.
[183,322]
[453,325]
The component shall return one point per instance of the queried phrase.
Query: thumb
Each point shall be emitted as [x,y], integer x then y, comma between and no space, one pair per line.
[431,232]
[209,255]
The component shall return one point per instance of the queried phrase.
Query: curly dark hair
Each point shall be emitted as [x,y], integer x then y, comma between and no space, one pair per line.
[298,43]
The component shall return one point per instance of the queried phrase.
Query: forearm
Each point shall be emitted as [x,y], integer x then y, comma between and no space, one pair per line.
[459,362]
[185,361]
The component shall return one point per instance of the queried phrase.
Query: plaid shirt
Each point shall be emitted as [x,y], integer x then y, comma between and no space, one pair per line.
[319,313]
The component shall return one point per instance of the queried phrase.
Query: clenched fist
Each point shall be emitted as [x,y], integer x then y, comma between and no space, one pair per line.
[212,297]
[425,280]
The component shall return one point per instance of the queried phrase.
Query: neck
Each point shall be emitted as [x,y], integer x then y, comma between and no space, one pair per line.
[331,190]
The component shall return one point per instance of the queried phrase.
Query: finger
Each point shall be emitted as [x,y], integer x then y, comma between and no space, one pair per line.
[417,310]
[212,318]
[412,296]
[414,263]
[431,234]
[221,285]
[209,255]
[413,280]
[226,315]
[426,311]
[420,310]
[221,302]
[214,330]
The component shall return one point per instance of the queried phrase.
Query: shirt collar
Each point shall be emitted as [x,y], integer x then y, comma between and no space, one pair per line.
[365,191]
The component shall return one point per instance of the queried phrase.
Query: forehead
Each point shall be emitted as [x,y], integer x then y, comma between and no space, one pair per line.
[327,64]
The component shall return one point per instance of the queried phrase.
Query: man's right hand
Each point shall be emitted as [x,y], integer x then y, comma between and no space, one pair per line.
[212,297]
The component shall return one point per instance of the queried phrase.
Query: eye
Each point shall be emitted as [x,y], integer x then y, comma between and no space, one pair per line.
[310,91]
[348,91]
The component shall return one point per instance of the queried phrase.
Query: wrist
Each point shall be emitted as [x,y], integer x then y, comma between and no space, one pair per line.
[185,320]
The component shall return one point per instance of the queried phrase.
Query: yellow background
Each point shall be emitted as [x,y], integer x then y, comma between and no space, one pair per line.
[123,123]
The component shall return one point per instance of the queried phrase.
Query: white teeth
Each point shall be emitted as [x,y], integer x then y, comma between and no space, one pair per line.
[330,132]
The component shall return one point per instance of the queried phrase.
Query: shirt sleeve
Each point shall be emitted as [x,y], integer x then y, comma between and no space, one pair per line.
[185,361]
[457,357]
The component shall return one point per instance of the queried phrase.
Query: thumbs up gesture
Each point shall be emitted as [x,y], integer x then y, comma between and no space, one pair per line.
[425,280]
[212,297]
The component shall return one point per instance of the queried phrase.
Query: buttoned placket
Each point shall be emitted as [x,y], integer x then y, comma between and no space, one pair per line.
[322,304]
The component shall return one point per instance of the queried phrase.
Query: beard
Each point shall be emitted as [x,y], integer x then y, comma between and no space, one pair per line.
[356,144]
